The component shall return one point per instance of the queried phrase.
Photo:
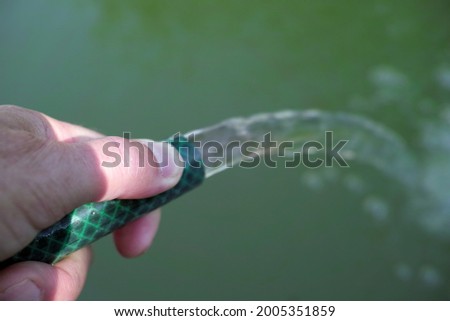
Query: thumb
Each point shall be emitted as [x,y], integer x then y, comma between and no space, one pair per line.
[62,176]
[114,167]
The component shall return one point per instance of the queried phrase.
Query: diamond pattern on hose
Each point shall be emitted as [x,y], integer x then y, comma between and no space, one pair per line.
[91,221]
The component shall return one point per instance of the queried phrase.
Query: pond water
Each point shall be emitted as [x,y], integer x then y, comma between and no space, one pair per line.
[154,68]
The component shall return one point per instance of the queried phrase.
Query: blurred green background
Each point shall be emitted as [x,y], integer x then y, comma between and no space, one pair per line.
[154,68]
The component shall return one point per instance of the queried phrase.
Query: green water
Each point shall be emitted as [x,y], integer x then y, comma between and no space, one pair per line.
[154,68]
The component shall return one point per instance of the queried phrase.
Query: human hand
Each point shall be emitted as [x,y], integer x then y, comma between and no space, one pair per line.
[47,169]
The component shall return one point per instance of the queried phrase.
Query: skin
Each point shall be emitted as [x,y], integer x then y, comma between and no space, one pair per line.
[47,169]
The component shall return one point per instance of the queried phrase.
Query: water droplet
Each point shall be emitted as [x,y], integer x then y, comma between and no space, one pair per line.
[313,181]
[430,276]
[443,76]
[348,155]
[377,208]
[435,220]
[387,77]
[390,85]
[354,184]
[404,272]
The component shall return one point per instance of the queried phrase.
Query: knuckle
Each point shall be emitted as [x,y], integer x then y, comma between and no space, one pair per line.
[19,118]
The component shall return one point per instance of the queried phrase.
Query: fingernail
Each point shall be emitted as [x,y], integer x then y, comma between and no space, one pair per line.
[166,158]
[25,290]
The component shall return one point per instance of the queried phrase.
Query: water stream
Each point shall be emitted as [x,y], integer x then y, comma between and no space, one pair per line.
[366,141]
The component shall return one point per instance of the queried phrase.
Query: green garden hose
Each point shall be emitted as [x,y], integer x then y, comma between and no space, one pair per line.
[92,221]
